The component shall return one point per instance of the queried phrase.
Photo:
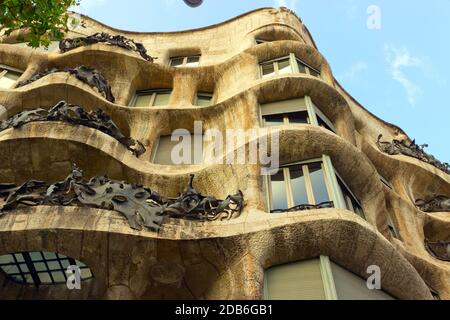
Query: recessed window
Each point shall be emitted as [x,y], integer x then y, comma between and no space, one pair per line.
[313,183]
[287,65]
[260,41]
[204,99]
[294,112]
[151,98]
[188,149]
[317,279]
[40,268]
[187,62]
[299,185]
[8,77]
[351,202]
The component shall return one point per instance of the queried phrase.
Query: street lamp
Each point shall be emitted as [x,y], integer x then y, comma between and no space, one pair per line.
[193,3]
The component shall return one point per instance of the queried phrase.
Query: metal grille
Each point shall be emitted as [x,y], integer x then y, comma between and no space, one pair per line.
[40,268]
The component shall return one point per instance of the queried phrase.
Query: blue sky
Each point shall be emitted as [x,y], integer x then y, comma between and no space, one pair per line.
[400,72]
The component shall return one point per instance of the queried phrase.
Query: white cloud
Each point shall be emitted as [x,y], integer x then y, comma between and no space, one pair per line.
[355,70]
[399,59]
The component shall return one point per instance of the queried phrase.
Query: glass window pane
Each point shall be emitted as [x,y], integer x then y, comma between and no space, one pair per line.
[17,278]
[143,100]
[298,186]
[28,278]
[318,183]
[40,266]
[193,61]
[177,62]
[11,269]
[284,66]
[279,192]
[203,100]
[65,263]
[298,117]
[86,273]
[24,268]
[44,277]
[58,276]
[36,256]
[54,265]
[313,72]
[301,66]
[268,69]
[162,99]
[19,257]
[49,255]
[273,120]
[6,259]
[323,124]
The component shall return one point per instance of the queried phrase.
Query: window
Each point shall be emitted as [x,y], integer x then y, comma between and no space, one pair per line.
[294,112]
[391,226]
[317,279]
[192,153]
[310,184]
[204,99]
[285,65]
[260,41]
[187,62]
[40,268]
[151,98]
[8,77]
[351,202]
[298,185]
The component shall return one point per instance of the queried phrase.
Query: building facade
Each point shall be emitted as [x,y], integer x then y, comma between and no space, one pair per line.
[355,201]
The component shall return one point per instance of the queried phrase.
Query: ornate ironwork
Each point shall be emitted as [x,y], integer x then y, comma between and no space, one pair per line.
[437,204]
[75,115]
[303,207]
[88,75]
[120,41]
[142,207]
[438,249]
[397,147]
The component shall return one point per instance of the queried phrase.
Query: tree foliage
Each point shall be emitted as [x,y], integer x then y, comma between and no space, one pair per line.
[44,20]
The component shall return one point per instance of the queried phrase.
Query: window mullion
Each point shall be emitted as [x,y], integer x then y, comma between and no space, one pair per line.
[311,111]
[30,264]
[287,181]
[337,196]
[3,73]
[326,272]
[153,99]
[308,185]
[275,67]
[293,63]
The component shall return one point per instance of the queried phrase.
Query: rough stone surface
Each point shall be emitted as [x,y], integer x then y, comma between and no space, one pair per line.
[220,259]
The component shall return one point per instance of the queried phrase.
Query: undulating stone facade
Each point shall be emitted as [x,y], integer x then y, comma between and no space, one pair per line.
[201,258]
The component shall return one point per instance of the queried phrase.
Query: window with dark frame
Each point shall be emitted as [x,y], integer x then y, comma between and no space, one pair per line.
[286,65]
[293,112]
[151,98]
[40,268]
[185,61]
[297,186]
[204,99]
